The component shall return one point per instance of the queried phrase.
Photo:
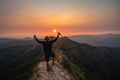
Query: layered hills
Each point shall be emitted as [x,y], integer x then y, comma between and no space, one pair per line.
[111,40]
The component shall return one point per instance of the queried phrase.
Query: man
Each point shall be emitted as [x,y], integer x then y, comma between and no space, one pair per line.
[47,45]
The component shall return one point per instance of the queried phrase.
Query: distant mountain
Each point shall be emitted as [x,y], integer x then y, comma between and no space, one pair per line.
[8,42]
[111,40]
[83,61]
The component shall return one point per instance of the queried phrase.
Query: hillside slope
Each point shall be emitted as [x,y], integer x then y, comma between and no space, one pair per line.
[17,62]
[89,62]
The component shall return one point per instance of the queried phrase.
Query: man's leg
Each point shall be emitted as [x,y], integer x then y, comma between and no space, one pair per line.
[53,61]
[48,69]
[53,58]
[47,60]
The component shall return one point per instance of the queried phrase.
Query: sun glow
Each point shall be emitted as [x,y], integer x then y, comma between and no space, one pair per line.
[54,30]
[55,19]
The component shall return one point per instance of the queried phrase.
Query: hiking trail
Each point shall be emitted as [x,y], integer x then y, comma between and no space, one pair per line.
[57,71]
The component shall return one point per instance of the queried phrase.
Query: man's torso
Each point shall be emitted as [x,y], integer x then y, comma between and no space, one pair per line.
[47,47]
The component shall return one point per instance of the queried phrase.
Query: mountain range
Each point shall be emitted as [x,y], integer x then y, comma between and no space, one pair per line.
[110,40]
[18,57]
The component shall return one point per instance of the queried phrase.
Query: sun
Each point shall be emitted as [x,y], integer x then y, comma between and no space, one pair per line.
[54,30]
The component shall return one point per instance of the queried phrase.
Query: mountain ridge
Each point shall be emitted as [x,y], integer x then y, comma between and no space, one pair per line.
[84,56]
[83,61]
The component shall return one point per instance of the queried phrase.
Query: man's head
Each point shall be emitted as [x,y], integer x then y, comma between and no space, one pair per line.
[47,38]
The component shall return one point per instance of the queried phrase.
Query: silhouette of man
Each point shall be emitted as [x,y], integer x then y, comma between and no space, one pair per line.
[47,45]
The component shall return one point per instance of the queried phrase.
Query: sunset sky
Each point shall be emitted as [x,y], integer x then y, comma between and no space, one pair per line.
[24,18]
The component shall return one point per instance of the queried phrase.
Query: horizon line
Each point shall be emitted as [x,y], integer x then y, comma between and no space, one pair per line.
[21,37]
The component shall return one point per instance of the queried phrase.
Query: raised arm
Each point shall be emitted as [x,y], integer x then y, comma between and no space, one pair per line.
[38,40]
[56,37]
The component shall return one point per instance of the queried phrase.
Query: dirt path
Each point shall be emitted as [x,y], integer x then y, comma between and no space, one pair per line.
[56,72]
